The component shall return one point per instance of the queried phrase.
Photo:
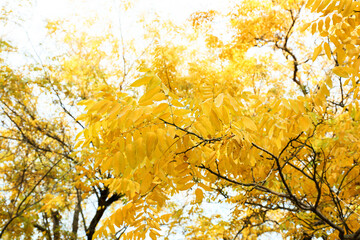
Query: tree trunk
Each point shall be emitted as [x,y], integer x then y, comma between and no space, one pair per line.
[75,224]
[103,204]
[56,224]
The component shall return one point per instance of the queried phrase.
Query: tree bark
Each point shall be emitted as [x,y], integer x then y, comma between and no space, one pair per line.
[103,204]
[75,223]
[56,224]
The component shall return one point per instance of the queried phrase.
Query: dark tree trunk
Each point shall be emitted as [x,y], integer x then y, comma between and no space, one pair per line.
[103,204]
[75,223]
[56,224]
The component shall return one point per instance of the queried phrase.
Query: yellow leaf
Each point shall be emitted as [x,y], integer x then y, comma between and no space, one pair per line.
[144,69]
[335,41]
[225,115]
[320,26]
[248,123]
[135,115]
[329,82]
[151,143]
[349,7]
[206,188]
[176,103]
[327,50]
[304,123]
[153,83]
[143,80]
[119,162]
[106,164]
[146,183]
[85,102]
[317,51]
[341,72]
[214,119]
[166,217]
[186,186]
[309,3]
[146,99]
[324,90]
[158,97]
[199,195]
[160,108]
[97,106]
[323,4]
[207,125]
[116,108]
[327,23]
[313,28]
[153,234]
[315,5]
[140,148]
[341,55]
[219,100]
[130,155]
[181,112]
[185,180]
[304,27]
[155,225]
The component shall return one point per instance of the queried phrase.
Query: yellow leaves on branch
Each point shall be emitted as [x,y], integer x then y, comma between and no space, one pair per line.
[344,7]
[341,18]
[155,143]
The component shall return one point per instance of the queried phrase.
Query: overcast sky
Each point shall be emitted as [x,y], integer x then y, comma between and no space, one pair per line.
[29,34]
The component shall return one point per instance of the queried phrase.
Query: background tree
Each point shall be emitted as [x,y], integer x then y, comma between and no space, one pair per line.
[48,187]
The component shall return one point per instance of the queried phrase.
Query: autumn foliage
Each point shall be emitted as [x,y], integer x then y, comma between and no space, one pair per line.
[262,120]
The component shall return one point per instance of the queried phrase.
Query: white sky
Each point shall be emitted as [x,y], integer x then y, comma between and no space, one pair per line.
[30,34]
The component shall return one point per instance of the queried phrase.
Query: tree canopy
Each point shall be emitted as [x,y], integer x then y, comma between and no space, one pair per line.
[254,109]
